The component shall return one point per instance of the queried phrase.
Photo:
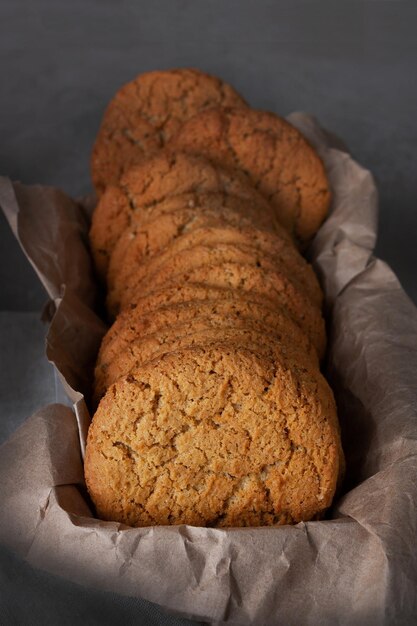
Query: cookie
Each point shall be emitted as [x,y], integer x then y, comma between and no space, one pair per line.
[178,326]
[174,306]
[167,174]
[190,291]
[146,112]
[236,268]
[196,333]
[278,160]
[246,201]
[172,261]
[124,273]
[214,437]
[177,215]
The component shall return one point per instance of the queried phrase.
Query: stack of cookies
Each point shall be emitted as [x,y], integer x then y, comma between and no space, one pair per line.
[212,410]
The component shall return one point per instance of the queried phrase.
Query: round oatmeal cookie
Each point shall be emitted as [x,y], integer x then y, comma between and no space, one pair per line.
[174,327]
[275,250]
[271,285]
[215,436]
[251,205]
[175,306]
[146,112]
[166,174]
[178,257]
[257,270]
[279,161]
[159,267]
[199,332]
[178,215]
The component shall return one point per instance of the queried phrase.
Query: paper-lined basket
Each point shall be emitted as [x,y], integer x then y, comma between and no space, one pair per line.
[357,567]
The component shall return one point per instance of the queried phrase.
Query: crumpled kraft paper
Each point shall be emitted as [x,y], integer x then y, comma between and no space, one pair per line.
[357,567]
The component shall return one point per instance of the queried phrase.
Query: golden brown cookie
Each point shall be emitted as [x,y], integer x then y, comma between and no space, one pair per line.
[164,175]
[186,292]
[241,270]
[197,333]
[178,215]
[176,305]
[214,437]
[177,326]
[140,259]
[173,261]
[279,161]
[271,285]
[145,113]
[251,205]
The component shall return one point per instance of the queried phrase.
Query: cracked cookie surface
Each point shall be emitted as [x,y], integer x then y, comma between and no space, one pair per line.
[163,176]
[279,161]
[200,332]
[141,256]
[247,277]
[179,215]
[179,257]
[146,112]
[176,305]
[214,437]
[177,326]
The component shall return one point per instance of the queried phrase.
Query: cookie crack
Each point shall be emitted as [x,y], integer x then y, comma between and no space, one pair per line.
[127,451]
[234,154]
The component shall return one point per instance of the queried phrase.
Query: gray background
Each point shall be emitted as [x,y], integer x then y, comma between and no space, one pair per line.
[352,64]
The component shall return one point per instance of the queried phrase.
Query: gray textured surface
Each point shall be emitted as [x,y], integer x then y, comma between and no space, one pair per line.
[352,64]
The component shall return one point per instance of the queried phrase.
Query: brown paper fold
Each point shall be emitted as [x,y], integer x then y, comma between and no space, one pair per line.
[357,567]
